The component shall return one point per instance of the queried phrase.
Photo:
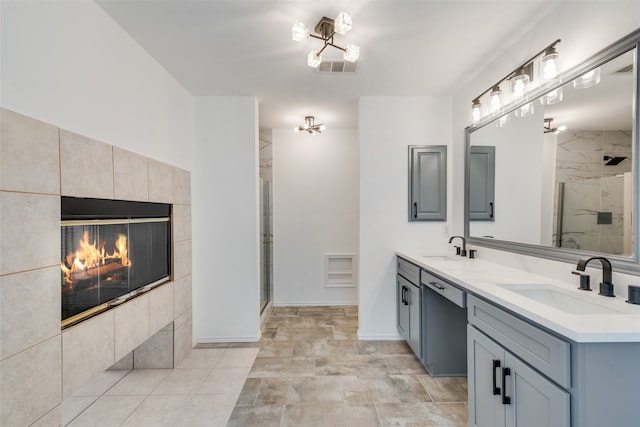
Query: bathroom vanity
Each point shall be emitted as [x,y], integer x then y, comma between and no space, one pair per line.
[539,351]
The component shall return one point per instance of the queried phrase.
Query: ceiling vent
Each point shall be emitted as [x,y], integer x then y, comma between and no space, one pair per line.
[337,66]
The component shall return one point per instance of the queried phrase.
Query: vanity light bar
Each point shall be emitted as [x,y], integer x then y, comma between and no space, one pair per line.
[520,83]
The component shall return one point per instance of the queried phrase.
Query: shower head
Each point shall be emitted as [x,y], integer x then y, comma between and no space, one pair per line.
[613,161]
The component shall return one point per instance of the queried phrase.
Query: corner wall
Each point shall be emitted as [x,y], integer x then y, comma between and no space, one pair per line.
[226,275]
[387,126]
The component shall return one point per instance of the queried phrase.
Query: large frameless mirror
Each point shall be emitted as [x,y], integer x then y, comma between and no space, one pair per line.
[556,176]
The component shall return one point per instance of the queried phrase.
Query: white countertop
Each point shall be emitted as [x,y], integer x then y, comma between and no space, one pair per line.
[615,321]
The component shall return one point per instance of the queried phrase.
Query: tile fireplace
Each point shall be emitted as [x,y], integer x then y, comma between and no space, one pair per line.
[111,251]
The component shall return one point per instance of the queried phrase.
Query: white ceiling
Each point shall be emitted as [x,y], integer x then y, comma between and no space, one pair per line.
[244,47]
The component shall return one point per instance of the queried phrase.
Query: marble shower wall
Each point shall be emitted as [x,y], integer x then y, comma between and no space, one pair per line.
[591,187]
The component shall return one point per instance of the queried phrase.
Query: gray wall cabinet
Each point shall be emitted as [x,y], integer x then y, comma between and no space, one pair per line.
[482,172]
[428,183]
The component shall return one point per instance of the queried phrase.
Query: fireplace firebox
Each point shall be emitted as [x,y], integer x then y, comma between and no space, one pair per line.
[112,251]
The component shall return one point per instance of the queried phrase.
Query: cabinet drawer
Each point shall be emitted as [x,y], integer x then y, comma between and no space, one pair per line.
[545,352]
[444,288]
[409,271]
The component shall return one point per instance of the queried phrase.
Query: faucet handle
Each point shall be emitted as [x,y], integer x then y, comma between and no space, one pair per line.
[584,280]
[457,250]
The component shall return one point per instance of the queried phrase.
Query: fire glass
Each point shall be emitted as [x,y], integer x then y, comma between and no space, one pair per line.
[103,260]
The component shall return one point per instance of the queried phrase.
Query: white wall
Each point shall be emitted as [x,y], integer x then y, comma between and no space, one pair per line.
[225,203]
[585,27]
[387,126]
[69,64]
[315,212]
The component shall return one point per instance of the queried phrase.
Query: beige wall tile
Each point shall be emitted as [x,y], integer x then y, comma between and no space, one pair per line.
[131,176]
[156,352]
[181,222]
[30,384]
[131,325]
[182,259]
[181,186]
[182,337]
[161,307]
[29,154]
[87,350]
[52,418]
[124,363]
[86,166]
[182,295]
[29,309]
[30,230]
[160,182]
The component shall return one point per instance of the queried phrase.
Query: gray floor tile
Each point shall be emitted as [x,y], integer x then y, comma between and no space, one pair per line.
[388,389]
[383,347]
[304,390]
[293,334]
[283,367]
[329,414]
[362,366]
[325,348]
[263,416]
[273,348]
[404,365]
[445,389]
[249,392]
[427,414]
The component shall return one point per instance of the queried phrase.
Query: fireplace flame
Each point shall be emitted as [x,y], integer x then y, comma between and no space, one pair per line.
[89,256]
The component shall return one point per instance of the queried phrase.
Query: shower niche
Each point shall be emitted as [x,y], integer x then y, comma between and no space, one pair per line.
[111,251]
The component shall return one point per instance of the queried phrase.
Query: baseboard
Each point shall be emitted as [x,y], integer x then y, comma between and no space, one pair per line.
[363,337]
[212,340]
[313,303]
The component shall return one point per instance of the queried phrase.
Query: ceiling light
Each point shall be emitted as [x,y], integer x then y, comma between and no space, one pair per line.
[299,32]
[325,30]
[520,81]
[588,79]
[310,127]
[314,59]
[549,129]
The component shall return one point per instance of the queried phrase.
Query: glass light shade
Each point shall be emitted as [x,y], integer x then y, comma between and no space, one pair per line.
[525,110]
[495,102]
[313,133]
[519,85]
[551,97]
[313,59]
[503,121]
[476,111]
[322,127]
[550,65]
[296,129]
[562,128]
[588,79]
[342,24]
[305,126]
[351,53]
[299,32]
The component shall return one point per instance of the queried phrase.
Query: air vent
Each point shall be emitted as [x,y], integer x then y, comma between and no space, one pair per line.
[337,66]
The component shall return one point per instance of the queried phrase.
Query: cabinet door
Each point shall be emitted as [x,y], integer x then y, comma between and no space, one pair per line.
[535,401]
[428,183]
[414,337]
[485,361]
[402,307]
[482,161]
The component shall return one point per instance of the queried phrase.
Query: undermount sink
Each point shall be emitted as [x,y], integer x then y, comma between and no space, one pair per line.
[439,257]
[559,299]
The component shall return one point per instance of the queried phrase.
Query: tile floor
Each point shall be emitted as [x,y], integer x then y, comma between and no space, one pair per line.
[309,369]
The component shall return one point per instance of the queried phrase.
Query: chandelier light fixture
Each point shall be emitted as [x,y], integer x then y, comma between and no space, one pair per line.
[310,126]
[517,85]
[548,128]
[325,30]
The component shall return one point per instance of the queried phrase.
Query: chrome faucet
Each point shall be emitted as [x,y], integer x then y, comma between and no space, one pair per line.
[606,286]
[462,252]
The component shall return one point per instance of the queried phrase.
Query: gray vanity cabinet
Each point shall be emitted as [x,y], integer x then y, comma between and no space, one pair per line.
[408,302]
[428,183]
[482,172]
[504,391]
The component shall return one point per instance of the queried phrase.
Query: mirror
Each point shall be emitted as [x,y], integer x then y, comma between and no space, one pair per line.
[558,180]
